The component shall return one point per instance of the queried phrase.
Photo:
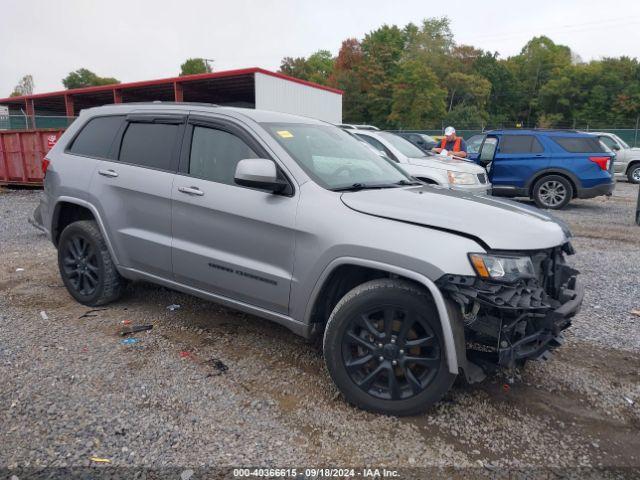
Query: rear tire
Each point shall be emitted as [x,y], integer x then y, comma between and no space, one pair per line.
[633,173]
[553,192]
[384,349]
[86,267]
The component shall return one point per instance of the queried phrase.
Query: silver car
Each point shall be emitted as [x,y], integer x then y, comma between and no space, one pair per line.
[295,221]
[434,169]
[627,162]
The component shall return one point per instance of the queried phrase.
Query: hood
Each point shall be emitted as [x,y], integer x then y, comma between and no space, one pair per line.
[499,223]
[445,163]
[635,152]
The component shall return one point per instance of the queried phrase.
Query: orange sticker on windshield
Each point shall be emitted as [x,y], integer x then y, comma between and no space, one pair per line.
[285,133]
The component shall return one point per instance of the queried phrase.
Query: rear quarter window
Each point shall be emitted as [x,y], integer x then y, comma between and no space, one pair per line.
[96,137]
[580,144]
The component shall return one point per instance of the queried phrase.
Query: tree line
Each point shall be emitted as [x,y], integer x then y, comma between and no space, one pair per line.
[418,77]
[84,77]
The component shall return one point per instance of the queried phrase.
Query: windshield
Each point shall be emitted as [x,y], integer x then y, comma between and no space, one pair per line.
[333,158]
[405,147]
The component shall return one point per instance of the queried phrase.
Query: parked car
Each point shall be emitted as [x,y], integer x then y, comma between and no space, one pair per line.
[434,169]
[293,220]
[627,162]
[422,141]
[549,166]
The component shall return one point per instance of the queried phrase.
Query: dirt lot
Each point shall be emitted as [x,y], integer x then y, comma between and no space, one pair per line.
[209,386]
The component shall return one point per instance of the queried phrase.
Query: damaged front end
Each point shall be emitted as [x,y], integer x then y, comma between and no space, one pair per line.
[508,320]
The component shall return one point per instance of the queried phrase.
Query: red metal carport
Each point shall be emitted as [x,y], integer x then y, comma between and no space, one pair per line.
[21,151]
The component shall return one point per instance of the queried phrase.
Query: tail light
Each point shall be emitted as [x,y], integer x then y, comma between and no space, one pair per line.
[45,165]
[602,162]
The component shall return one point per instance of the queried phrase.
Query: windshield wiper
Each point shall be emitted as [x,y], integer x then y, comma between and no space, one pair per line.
[363,186]
[407,182]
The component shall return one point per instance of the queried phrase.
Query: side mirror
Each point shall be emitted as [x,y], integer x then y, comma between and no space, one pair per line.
[259,173]
[615,147]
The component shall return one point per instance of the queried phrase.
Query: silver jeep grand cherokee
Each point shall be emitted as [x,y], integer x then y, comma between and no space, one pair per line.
[293,220]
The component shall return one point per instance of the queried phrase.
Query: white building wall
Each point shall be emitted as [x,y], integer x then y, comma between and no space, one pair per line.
[281,95]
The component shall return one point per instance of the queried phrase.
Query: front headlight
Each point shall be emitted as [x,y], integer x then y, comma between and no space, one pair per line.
[503,268]
[461,178]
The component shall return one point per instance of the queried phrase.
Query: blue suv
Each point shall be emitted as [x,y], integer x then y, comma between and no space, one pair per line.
[549,166]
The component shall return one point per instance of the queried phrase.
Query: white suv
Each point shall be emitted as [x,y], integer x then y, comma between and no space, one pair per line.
[450,172]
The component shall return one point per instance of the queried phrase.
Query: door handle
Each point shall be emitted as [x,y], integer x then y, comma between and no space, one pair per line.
[191,191]
[108,173]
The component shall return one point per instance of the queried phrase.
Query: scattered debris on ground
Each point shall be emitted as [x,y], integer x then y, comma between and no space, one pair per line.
[71,395]
[92,313]
[135,329]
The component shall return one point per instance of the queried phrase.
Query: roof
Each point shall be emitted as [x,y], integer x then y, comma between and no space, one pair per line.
[170,80]
[538,131]
[260,116]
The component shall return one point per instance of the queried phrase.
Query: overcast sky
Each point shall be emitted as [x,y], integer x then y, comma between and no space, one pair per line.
[141,40]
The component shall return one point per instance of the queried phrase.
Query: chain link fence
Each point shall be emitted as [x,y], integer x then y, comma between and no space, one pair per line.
[629,135]
[25,122]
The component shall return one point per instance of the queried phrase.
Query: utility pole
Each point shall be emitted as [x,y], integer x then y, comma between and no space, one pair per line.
[638,208]
[209,66]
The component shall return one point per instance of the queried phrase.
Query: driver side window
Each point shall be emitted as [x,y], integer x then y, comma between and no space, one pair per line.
[215,154]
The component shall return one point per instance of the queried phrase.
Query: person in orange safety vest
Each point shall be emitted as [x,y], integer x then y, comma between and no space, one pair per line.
[454,145]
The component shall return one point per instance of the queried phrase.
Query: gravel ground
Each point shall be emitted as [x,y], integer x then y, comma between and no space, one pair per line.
[71,390]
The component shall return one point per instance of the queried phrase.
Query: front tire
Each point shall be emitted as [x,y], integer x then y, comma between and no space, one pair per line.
[553,192]
[85,264]
[384,349]
[633,174]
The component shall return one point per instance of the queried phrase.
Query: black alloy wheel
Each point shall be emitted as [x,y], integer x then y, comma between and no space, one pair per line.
[80,265]
[391,353]
[85,265]
[384,349]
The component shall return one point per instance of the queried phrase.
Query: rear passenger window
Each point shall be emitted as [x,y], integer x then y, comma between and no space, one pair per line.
[149,145]
[96,137]
[580,144]
[520,144]
[215,155]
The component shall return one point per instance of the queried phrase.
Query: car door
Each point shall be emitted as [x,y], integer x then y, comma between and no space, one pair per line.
[230,240]
[518,157]
[133,191]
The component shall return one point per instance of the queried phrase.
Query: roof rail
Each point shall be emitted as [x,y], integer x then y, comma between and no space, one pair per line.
[161,102]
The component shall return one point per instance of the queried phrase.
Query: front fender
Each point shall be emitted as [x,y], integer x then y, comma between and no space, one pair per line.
[445,319]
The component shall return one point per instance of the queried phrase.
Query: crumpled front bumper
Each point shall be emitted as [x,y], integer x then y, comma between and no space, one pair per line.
[507,323]
[538,344]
